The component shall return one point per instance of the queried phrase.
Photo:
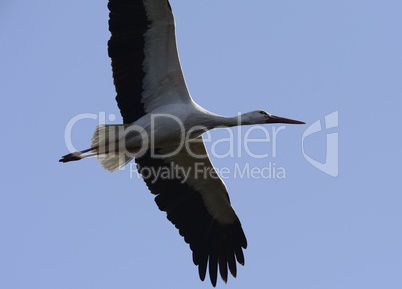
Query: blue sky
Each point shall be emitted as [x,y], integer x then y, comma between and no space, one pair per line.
[78,226]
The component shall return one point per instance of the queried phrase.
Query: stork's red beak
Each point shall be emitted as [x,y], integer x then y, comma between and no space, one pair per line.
[278,119]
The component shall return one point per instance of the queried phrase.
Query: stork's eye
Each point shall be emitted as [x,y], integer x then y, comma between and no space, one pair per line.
[263,112]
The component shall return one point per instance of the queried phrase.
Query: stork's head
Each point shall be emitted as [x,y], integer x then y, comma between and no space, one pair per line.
[261,117]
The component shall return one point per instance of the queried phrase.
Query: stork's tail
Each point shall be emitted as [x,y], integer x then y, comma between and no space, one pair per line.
[106,147]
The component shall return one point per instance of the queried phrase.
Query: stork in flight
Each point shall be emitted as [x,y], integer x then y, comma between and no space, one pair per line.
[149,82]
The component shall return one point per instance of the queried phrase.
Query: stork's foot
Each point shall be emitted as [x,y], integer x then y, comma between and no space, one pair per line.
[71,157]
[76,156]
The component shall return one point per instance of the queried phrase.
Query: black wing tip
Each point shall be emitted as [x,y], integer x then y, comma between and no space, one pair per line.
[224,250]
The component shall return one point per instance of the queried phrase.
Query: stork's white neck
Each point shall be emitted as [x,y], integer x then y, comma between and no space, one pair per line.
[211,120]
[202,117]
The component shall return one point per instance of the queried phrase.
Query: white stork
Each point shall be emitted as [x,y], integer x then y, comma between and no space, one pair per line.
[149,81]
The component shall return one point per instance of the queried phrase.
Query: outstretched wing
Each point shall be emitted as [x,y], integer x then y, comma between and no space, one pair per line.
[195,199]
[145,63]
[147,75]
